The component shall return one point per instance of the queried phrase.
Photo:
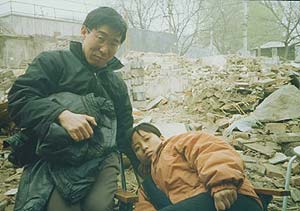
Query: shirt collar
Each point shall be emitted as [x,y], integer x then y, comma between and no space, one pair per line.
[113,64]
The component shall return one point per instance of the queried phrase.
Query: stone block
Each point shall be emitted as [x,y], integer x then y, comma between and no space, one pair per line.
[295,181]
[259,169]
[295,167]
[263,149]
[278,158]
[276,128]
[286,137]
[273,171]
[295,194]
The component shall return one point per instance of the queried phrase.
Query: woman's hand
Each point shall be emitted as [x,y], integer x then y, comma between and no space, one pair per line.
[224,199]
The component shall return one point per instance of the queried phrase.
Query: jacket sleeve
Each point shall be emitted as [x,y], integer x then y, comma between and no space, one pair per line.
[218,165]
[125,122]
[27,102]
[143,204]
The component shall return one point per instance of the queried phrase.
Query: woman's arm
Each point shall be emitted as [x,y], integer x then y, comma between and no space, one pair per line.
[218,165]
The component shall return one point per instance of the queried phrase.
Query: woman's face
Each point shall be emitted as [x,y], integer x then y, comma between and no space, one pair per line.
[145,144]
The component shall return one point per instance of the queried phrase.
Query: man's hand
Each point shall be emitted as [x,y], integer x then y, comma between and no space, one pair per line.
[224,199]
[77,125]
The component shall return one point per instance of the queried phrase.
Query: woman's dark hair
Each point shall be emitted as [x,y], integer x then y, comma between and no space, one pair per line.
[106,16]
[147,127]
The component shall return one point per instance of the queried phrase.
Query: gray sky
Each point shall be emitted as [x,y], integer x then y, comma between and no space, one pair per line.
[66,9]
[76,9]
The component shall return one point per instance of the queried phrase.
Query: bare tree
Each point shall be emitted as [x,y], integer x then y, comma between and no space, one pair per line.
[140,13]
[226,25]
[184,19]
[287,16]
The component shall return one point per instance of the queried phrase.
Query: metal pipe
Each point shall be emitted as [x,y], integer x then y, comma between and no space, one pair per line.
[287,181]
[123,179]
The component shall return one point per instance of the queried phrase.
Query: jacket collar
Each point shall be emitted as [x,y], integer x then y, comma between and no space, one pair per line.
[158,151]
[113,64]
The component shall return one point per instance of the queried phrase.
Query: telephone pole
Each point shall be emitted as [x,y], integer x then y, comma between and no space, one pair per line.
[245,28]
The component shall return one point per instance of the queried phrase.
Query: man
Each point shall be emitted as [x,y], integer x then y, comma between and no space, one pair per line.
[87,68]
[195,170]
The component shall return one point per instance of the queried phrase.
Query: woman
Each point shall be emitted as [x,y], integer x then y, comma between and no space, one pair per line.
[195,170]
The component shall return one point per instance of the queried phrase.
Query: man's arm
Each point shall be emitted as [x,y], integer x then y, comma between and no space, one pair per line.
[125,122]
[27,102]
[29,106]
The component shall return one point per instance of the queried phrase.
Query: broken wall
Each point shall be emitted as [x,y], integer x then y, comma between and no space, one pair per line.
[24,25]
[16,51]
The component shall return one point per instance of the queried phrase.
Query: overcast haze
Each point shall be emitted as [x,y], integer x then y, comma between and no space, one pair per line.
[46,7]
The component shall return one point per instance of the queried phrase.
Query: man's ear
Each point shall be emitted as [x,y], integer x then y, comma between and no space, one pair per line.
[83,31]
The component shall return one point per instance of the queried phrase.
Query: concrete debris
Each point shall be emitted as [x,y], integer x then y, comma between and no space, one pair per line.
[243,135]
[275,128]
[4,201]
[14,177]
[171,129]
[7,77]
[249,159]
[243,124]
[295,193]
[295,181]
[286,138]
[295,167]
[283,104]
[257,168]
[273,171]
[278,158]
[11,192]
[258,147]
[196,126]
[155,102]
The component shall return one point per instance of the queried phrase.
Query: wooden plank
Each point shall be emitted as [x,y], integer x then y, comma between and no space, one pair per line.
[273,192]
[126,196]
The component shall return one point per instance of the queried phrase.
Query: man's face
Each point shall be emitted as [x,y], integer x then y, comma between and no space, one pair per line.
[144,144]
[100,45]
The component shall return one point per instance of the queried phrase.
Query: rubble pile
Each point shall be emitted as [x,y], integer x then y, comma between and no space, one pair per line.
[220,96]
[236,88]
[7,77]
[156,74]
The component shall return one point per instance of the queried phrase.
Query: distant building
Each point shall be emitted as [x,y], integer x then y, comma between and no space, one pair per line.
[274,49]
[197,51]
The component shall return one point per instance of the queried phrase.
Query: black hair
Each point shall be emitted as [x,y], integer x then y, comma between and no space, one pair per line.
[147,127]
[106,16]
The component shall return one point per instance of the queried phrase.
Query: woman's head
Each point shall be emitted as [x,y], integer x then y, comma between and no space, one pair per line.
[145,139]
